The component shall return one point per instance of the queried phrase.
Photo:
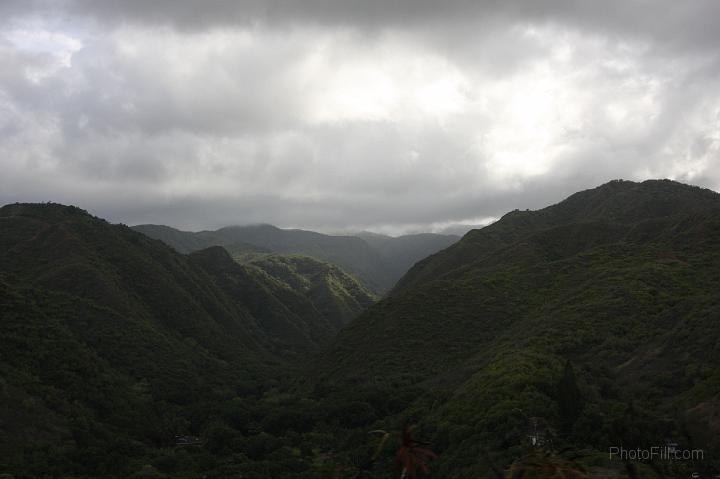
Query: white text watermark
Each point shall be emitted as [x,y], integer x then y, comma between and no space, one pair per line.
[668,453]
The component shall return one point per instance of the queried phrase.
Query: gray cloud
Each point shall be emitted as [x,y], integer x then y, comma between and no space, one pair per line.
[687,24]
[324,114]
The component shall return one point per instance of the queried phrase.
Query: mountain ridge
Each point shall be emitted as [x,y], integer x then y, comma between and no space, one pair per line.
[379,263]
[588,324]
[482,329]
[555,215]
[113,341]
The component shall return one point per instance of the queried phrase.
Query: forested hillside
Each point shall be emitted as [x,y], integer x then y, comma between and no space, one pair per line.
[113,343]
[541,340]
[615,288]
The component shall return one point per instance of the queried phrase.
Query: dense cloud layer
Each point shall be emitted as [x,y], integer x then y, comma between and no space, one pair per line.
[336,115]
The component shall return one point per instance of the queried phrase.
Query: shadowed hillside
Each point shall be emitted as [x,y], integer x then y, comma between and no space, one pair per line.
[112,341]
[620,280]
[589,324]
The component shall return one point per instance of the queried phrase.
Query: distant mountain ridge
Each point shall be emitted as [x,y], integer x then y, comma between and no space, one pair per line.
[378,260]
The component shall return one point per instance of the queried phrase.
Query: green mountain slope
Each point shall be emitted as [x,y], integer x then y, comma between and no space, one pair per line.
[379,261]
[620,280]
[352,254]
[336,296]
[112,343]
[296,299]
[618,204]
[592,324]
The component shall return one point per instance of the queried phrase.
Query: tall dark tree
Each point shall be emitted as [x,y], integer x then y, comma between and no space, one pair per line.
[569,398]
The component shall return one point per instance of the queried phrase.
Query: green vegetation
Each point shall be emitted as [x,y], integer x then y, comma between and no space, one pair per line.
[620,280]
[377,260]
[335,295]
[113,344]
[589,324]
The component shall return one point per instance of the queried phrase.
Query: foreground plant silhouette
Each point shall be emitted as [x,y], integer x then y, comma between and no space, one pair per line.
[412,454]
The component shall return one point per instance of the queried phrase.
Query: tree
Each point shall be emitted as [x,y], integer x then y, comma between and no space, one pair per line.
[569,398]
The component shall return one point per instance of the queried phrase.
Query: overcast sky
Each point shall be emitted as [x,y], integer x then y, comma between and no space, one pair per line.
[328,114]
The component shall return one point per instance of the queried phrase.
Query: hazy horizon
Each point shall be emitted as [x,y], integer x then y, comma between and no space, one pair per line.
[451,229]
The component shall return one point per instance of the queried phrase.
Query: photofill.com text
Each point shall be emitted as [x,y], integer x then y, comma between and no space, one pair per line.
[656,452]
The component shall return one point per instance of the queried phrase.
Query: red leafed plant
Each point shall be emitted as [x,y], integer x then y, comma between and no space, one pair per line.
[412,454]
